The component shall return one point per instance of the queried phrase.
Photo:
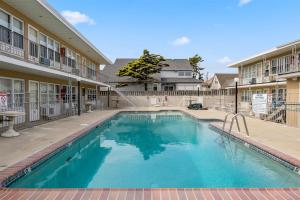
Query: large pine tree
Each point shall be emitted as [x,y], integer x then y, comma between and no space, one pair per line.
[143,67]
[195,62]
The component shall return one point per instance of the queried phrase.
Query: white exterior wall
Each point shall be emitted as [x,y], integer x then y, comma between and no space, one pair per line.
[215,84]
[135,87]
[186,86]
[168,74]
[173,74]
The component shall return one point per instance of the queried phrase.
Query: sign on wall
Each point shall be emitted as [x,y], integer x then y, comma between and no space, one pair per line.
[259,103]
[3,99]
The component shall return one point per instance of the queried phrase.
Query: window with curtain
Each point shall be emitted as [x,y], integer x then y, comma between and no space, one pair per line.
[91,94]
[15,93]
[43,46]
[5,32]
[50,49]
[33,42]
[44,93]
[17,33]
[56,54]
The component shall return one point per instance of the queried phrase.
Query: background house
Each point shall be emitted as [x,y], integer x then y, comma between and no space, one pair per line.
[177,76]
[222,81]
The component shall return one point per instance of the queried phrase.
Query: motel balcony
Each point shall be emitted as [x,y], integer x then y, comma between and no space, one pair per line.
[14,45]
[290,69]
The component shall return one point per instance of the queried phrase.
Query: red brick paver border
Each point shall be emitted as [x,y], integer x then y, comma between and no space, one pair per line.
[151,194]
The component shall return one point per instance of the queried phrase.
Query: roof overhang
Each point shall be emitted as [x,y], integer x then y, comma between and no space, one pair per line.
[9,63]
[260,85]
[290,75]
[267,54]
[46,16]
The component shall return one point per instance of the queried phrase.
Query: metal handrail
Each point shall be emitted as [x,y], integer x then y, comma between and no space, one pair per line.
[225,120]
[236,119]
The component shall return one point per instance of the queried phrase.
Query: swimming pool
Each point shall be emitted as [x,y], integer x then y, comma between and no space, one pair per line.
[157,150]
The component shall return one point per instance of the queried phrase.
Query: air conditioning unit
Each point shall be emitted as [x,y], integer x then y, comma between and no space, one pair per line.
[75,71]
[253,81]
[44,61]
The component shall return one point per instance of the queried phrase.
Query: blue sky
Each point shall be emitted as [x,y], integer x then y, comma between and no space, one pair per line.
[221,31]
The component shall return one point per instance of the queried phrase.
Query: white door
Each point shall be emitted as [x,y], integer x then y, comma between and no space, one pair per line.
[34,111]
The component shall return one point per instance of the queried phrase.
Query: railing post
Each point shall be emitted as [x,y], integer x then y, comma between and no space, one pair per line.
[27,102]
[108,91]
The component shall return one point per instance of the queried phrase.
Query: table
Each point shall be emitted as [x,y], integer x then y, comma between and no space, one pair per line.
[11,115]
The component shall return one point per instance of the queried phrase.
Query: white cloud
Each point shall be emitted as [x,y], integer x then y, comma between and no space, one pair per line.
[75,17]
[225,60]
[181,41]
[244,2]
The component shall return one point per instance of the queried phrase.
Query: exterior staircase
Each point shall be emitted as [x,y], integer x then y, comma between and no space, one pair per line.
[277,115]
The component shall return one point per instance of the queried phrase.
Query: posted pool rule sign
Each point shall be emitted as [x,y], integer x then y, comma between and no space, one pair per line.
[3,99]
[259,103]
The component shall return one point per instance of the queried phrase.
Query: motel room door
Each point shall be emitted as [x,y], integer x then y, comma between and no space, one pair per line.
[34,107]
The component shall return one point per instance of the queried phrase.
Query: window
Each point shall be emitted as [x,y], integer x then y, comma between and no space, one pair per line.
[50,49]
[11,30]
[155,87]
[51,92]
[43,46]
[185,73]
[43,51]
[289,61]
[14,91]
[4,19]
[180,73]
[188,73]
[280,65]
[91,94]
[91,70]
[70,58]
[43,93]
[74,94]
[78,61]
[274,65]
[246,96]
[57,54]
[267,70]
[33,42]
[17,33]
[168,87]
[5,32]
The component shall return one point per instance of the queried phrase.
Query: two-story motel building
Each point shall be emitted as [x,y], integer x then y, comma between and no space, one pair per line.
[275,72]
[46,65]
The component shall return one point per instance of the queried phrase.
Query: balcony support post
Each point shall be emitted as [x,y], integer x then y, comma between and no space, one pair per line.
[78,98]
[108,93]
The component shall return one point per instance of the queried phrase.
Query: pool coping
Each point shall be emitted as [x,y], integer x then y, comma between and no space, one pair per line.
[284,159]
[24,166]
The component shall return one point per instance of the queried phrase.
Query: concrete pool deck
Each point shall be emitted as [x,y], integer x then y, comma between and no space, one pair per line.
[35,142]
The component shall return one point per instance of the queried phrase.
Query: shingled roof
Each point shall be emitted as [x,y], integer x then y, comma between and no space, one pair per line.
[110,71]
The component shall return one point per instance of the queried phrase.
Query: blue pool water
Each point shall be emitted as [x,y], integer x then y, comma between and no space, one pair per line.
[157,149]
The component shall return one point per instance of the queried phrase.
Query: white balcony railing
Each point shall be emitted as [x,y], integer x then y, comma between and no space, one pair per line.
[293,68]
[8,48]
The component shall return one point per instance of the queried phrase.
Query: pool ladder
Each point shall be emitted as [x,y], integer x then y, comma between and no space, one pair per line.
[235,118]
